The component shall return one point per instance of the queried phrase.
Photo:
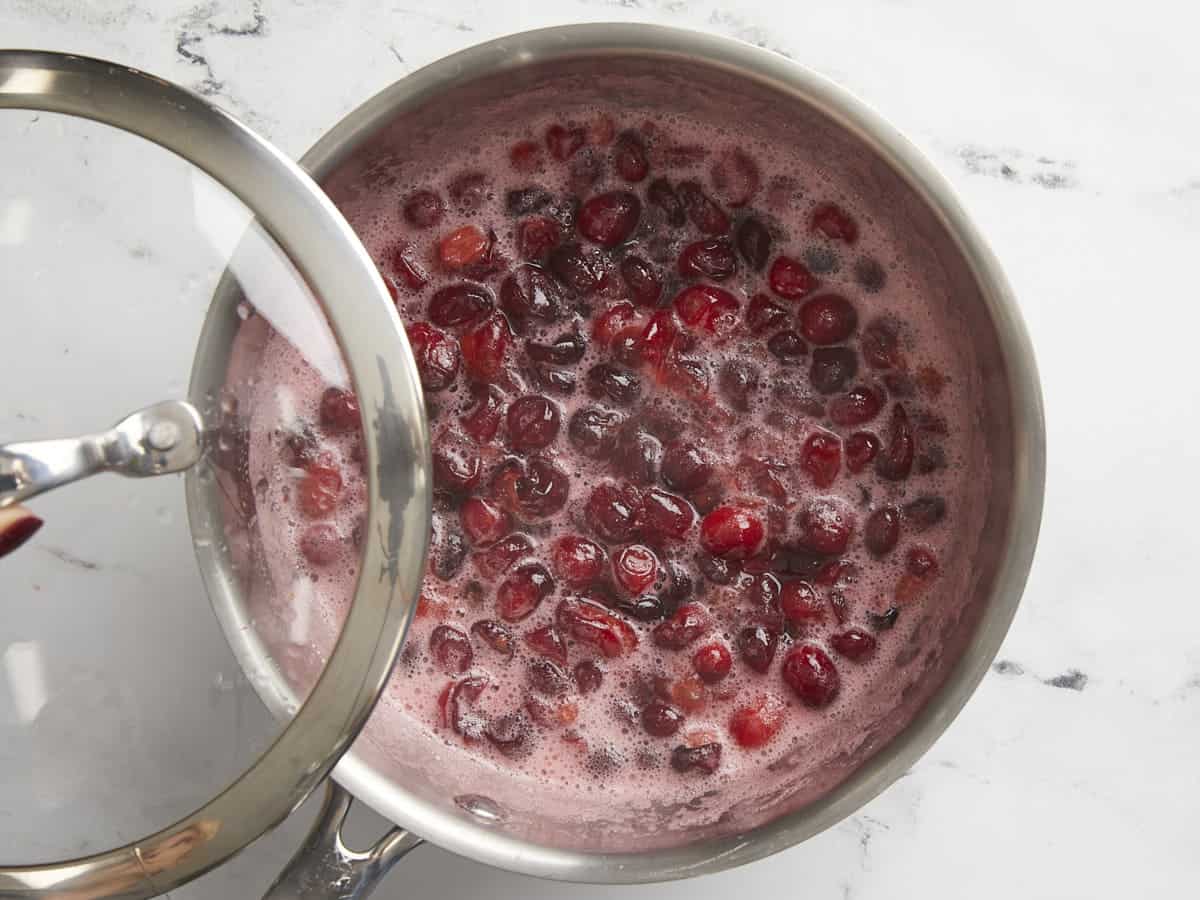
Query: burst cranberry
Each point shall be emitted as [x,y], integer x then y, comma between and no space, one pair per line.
[482,419]
[856,407]
[533,422]
[704,759]
[456,467]
[577,560]
[660,720]
[547,642]
[548,677]
[832,368]
[564,350]
[321,544]
[500,557]
[700,208]
[732,532]
[686,467]
[629,157]
[662,195]
[595,626]
[319,491]
[594,431]
[664,515]
[708,307]
[763,314]
[712,662]
[800,603]
[530,489]
[790,279]
[455,702]
[525,156]
[339,410]
[687,624]
[408,271]
[537,236]
[811,675]
[895,459]
[834,222]
[615,320]
[588,676]
[861,448]
[756,723]
[495,635]
[613,512]
[635,568]
[826,526]
[642,279]
[735,177]
[484,348]
[483,521]
[614,383]
[609,219]
[520,593]
[921,562]
[754,243]
[459,304]
[828,319]
[853,643]
[423,209]
[437,356]
[451,649]
[711,258]
[756,645]
[463,247]
[821,458]
[509,733]
[661,338]
[563,142]
[576,268]
[882,531]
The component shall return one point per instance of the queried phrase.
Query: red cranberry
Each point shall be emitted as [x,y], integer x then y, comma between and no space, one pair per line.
[882,531]
[685,467]
[861,448]
[921,562]
[763,314]
[826,526]
[895,460]
[321,544]
[732,532]
[880,345]
[451,649]
[577,560]
[756,723]
[609,219]
[810,673]
[704,759]
[547,642]
[821,458]
[735,177]
[339,410]
[509,733]
[637,455]
[831,368]
[525,156]
[854,644]
[754,243]
[925,512]
[614,383]
[629,157]
[614,320]
[532,489]
[463,247]
[660,720]
[834,222]
[520,593]
[686,624]
[828,319]
[712,662]
[437,356]
[613,512]
[708,307]
[700,208]
[856,407]
[594,431]
[459,304]
[469,190]
[790,279]
[484,348]
[537,236]
[482,419]
[662,195]
[576,268]
[563,142]
[800,603]
[455,702]
[319,491]
[408,271]
[533,422]
[635,568]
[499,558]
[642,279]
[665,515]
[456,467]
[712,258]
[756,645]
[588,676]
[495,635]
[483,521]
[787,346]
[423,209]
[661,338]
[595,626]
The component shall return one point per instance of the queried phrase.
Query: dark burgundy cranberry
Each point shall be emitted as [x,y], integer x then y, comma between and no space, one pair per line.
[688,623]
[661,194]
[594,431]
[456,467]
[339,410]
[735,177]
[870,274]
[593,625]
[826,525]
[678,589]
[665,515]
[521,592]
[614,383]
[510,733]
[716,569]
[482,418]
[423,209]
[787,346]
[704,759]
[880,345]
[485,347]
[834,222]
[756,645]
[822,260]
[925,512]
[495,635]
[459,304]
[533,422]
[613,512]
[320,544]
[882,531]
[451,554]
[646,608]
[537,236]
[660,720]
[524,201]
[638,455]
[469,190]
[548,677]
[732,532]
[763,314]
[821,458]
[531,490]
[686,467]
[711,258]
[861,448]
[754,243]
[451,649]
[895,459]
[832,368]
[499,558]
[547,642]
[609,219]
[576,268]
[562,142]
[738,381]
[811,675]
[885,620]
[856,407]
[712,662]
[564,350]
[790,279]
[629,157]
[437,355]
[794,559]
[931,459]
[642,279]
[828,319]
[700,208]
[853,643]
[588,676]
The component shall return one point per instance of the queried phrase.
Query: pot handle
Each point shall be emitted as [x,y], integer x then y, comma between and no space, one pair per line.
[324,868]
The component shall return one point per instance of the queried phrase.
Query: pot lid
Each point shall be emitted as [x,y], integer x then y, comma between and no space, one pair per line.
[140,227]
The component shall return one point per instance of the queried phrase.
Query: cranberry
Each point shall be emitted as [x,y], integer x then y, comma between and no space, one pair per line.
[451,555]
[821,458]
[408,271]
[635,568]
[565,350]
[665,515]
[454,704]
[853,643]
[756,645]
[861,448]
[642,279]
[532,489]
[754,243]
[662,195]
[548,677]
[716,569]
[856,407]
[595,626]
[577,560]
[661,338]
[834,222]
[870,274]
[593,431]
[563,142]
[509,733]
[638,454]
[790,279]
[828,319]
[704,213]
[921,562]
[880,345]
[588,676]
[764,314]
[895,460]
[451,649]
[339,410]
[614,383]
[712,662]
[482,419]
[459,304]
[484,522]
[523,201]
[547,642]
[925,512]
[321,544]
[882,531]
[437,356]
[469,190]
[525,156]
[613,512]
[755,724]
[885,620]
[495,635]
[735,177]
[685,467]
[576,268]
[831,368]
[712,258]
[520,593]
[707,307]
[423,209]
[800,603]
[530,294]
[615,320]
[660,720]
[537,236]
[499,558]
[787,346]
[629,157]
[687,624]
[533,422]
[463,247]
[732,532]
[609,219]
[811,675]
[319,490]
[484,348]
[704,759]
[456,467]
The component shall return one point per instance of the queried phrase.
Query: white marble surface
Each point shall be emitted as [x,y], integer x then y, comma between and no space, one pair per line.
[1072,132]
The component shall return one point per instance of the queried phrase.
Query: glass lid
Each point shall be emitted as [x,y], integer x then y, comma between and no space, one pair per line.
[189,320]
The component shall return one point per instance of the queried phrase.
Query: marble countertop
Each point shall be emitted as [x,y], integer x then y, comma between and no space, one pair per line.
[1072,132]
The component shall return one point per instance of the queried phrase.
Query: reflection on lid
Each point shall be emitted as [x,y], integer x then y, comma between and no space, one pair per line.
[26,678]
